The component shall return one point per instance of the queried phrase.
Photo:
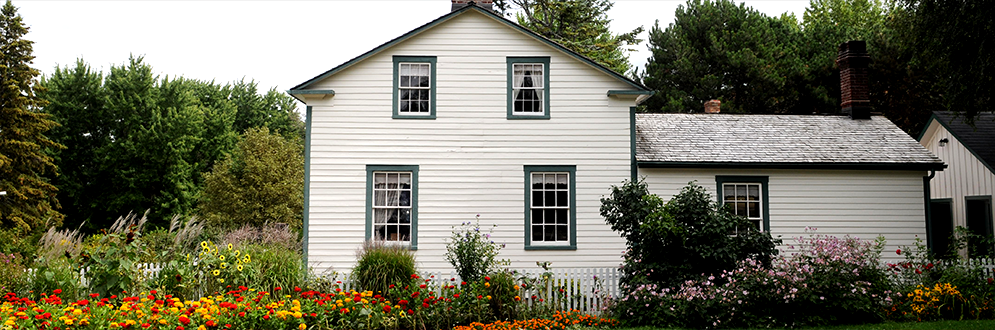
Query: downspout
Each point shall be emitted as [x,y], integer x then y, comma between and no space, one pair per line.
[926,202]
[307,183]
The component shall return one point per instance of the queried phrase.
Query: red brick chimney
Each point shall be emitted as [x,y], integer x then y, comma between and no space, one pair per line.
[485,4]
[853,60]
[713,106]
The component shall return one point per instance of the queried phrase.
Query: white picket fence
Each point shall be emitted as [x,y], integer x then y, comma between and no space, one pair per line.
[583,289]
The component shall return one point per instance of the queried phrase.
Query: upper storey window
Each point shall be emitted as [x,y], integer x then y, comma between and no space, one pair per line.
[528,88]
[414,87]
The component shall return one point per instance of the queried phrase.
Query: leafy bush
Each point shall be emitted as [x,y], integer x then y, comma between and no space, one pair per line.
[923,275]
[222,266]
[13,276]
[669,243]
[275,266]
[380,265]
[473,254]
[112,265]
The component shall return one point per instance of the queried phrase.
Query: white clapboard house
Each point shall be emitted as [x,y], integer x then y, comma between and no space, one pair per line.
[473,114]
[962,194]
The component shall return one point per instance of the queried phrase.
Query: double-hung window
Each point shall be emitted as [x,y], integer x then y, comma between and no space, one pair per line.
[414,87]
[550,207]
[528,87]
[746,196]
[392,203]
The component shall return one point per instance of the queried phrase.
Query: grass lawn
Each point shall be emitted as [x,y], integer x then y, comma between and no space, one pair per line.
[938,325]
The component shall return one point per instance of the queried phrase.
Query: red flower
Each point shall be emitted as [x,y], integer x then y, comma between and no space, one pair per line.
[180,327]
[357,298]
[94,295]
[298,289]
[415,294]
[277,289]
[487,278]
[57,291]
[990,280]
[153,292]
[411,312]
[386,308]
[185,320]
[456,295]
[899,251]
[918,271]
[241,314]
[462,283]
[402,302]
[146,325]
[266,317]
[424,305]
[211,323]
[422,286]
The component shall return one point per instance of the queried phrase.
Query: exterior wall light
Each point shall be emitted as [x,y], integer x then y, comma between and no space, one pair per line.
[944,141]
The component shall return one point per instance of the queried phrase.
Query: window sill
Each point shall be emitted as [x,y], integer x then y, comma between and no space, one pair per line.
[551,247]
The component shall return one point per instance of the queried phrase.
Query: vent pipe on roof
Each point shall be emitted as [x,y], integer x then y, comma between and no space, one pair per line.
[485,4]
[855,92]
[713,106]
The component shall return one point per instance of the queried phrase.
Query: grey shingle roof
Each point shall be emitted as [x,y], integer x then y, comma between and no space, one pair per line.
[980,138]
[730,140]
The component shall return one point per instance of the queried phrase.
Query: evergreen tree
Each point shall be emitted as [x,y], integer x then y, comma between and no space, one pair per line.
[581,26]
[29,203]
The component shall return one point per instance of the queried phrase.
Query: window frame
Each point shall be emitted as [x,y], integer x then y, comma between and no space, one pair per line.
[511,61]
[571,171]
[432,61]
[413,169]
[763,181]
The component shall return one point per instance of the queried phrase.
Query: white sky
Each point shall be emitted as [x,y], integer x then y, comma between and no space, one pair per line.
[276,43]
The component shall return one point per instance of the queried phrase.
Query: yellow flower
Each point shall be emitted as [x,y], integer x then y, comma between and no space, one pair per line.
[224,265]
[239,267]
[487,284]
[246,259]
[216,272]
[222,257]
[77,312]
[237,252]
[221,280]
[302,326]
[229,246]
[69,321]
[488,297]
[114,325]
[203,244]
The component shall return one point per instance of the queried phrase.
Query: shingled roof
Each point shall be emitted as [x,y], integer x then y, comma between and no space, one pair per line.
[980,138]
[776,141]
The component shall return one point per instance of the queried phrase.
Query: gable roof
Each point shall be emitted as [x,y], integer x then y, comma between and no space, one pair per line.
[978,139]
[472,6]
[777,141]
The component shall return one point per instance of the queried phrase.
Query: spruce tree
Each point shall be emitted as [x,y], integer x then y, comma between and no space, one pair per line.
[29,203]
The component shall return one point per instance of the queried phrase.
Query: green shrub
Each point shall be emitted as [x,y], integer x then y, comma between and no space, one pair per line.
[55,267]
[379,265]
[472,253]
[502,291]
[275,266]
[669,243]
[112,265]
[12,274]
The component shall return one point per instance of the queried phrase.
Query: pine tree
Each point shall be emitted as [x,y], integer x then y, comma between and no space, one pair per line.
[30,202]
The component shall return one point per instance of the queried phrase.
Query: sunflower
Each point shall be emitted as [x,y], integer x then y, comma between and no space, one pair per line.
[229,246]
[216,272]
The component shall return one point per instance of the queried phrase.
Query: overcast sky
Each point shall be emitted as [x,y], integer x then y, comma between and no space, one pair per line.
[276,43]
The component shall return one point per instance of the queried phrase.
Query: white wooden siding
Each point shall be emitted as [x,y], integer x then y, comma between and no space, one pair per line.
[964,176]
[471,157]
[861,204]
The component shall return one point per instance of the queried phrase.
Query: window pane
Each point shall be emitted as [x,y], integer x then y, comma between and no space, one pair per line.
[754,210]
[403,107]
[549,234]
[392,216]
[404,69]
[536,216]
[405,199]
[550,181]
[423,94]
[548,216]
[561,216]
[561,233]
[741,192]
[379,216]
[537,233]
[392,233]
[379,180]
[405,81]
[380,198]
[423,106]
[380,232]
[550,198]
[754,192]
[741,209]
[729,192]
[405,233]
[392,197]
[561,181]
[423,81]
[537,198]
[561,198]
[405,180]
[424,69]
[405,216]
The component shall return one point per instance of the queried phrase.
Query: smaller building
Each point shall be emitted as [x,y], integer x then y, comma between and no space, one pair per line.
[962,194]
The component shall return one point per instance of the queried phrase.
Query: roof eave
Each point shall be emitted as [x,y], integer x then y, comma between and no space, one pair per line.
[796,165]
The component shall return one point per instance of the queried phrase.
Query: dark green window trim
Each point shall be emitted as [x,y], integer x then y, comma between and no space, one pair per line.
[572,170]
[633,166]
[762,180]
[305,218]
[988,230]
[414,198]
[432,84]
[544,60]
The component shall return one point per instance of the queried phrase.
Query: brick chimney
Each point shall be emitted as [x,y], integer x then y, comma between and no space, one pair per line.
[853,60]
[713,106]
[485,4]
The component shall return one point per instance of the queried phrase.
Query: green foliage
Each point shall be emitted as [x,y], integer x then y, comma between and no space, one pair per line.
[113,264]
[502,289]
[688,236]
[262,181]
[380,265]
[138,141]
[719,50]
[13,275]
[578,25]
[472,253]
[276,266]
[29,204]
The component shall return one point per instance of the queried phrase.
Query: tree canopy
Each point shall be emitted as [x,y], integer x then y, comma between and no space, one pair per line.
[579,25]
[30,200]
[139,141]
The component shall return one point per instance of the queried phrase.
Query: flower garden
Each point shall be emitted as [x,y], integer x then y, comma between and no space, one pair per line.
[255,278]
